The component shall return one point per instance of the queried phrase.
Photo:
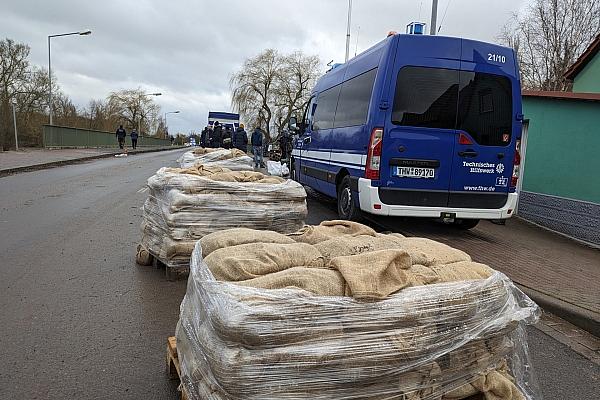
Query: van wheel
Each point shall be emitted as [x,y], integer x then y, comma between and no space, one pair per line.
[466,223]
[346,206]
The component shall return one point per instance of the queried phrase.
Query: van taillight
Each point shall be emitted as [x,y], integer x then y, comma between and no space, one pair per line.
[374,154]
[516,164]
[464,139]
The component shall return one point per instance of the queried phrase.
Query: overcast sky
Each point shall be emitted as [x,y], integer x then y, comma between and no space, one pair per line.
[188,49]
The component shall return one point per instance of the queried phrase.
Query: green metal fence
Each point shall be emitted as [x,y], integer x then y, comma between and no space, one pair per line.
[63,136]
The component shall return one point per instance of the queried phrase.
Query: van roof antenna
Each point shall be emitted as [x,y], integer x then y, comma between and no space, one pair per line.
[444,17]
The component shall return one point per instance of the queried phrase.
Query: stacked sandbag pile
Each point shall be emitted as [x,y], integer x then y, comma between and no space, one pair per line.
[185,204]
[233,159]
[338,311]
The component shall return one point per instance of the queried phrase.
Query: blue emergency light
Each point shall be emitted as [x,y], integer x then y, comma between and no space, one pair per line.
[415,28]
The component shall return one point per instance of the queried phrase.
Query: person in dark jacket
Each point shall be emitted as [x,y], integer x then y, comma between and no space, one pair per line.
[204,137]
[240,139]
[285,144]
[217,137]
[227,137]
[257,147]
[134,138]
[120,134]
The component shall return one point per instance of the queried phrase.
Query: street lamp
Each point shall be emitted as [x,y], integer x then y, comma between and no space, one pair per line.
[140,120]
[81,33]
[167,125]
[14,103]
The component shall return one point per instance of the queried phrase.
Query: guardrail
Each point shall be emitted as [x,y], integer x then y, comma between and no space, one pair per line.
[64,136]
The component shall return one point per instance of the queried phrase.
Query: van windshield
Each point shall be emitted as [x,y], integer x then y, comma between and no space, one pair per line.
[477,103]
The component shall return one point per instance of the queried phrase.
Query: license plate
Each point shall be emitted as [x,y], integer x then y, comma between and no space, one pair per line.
[414,172]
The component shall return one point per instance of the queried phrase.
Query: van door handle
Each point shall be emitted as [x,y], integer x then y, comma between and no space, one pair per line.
[307,140]
[467,153]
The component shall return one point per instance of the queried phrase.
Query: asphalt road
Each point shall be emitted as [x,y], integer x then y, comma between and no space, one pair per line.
[79,319]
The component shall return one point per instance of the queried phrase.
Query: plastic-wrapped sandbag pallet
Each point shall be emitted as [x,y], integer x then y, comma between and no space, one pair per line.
[443,341]
[233,159]
[182,208]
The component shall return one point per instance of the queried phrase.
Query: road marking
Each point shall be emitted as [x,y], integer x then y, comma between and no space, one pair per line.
[142,190]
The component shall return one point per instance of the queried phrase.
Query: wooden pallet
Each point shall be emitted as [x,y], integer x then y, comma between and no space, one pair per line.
[173,369]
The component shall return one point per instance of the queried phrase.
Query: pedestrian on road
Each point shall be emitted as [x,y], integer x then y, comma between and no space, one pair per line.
[217,136]
[121,136]
[172,139]
[240,139]
[227,138]
[257,147]
[285,144]
[204,137]
[134,138]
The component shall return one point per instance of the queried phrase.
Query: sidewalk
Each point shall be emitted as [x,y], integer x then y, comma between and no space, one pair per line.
[35,158]
[560,274]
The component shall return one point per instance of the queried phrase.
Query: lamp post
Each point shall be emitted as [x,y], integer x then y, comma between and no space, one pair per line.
[167,125]
[140,120]
[81,33]
[14,103]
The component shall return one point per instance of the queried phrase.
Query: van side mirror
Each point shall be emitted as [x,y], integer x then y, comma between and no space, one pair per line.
[293,124]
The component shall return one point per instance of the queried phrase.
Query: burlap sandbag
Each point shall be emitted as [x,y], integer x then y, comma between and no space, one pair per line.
[174,248]
[237,236]
[251,260]
[420,275]
[429,252]
[143,256]
[330,229]
[352,245]
[455,272]
[497,384]
[319,281]
[462,271]
[205,150]
[374,275]
[199,170]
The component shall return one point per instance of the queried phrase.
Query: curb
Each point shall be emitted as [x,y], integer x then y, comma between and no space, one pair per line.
[582,318]
[52,164]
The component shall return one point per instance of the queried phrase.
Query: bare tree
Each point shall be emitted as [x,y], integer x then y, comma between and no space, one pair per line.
[254,88]
[13,71]
[292,91]
[134,108]
[270,88]
[548,37]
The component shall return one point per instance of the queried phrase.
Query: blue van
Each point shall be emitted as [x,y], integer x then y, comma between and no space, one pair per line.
[422,126]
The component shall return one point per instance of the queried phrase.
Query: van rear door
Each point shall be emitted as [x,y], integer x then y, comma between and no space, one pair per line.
[486,135]
[419,130]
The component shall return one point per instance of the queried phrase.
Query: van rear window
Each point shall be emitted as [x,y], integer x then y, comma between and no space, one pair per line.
[485,108]
[477,103]
[426,97]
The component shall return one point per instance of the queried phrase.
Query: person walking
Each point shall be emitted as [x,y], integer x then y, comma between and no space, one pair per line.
[285,144]
[120,134]
[217,137]
[227,137]
[204,137]
[240,139]
[257,147]
[134,138]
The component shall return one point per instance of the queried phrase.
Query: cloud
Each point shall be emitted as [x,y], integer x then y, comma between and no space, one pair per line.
[188,49]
